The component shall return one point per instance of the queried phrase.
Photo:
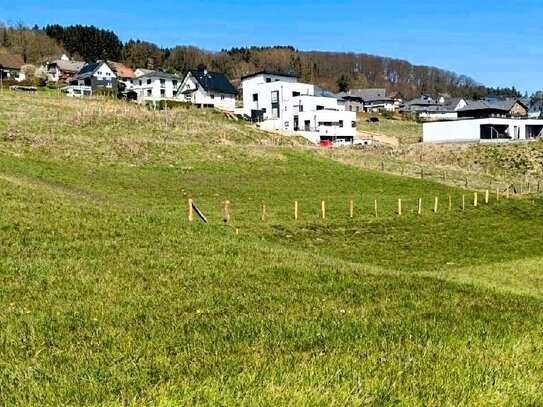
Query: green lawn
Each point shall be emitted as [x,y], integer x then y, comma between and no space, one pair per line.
[407,132]
[109,296]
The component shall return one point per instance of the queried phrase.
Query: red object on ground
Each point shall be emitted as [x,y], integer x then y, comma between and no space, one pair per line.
[326,143]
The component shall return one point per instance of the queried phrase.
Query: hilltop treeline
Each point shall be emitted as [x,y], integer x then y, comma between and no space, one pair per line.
[330,70]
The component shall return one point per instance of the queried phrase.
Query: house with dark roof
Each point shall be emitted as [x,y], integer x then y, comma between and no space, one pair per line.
[63,69]
[91,78]
[11,67]
[367,100]
[155,86]
[499,108]
[204,88]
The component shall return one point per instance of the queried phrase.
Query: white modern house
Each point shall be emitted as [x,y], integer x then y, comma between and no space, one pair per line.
[490,129]
[155,86]
[93,77]
[203,89]
[279,102]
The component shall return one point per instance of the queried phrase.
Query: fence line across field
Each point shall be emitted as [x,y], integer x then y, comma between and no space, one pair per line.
[321,213]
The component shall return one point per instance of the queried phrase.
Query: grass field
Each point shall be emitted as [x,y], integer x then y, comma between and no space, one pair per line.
[407,132]
[109,296]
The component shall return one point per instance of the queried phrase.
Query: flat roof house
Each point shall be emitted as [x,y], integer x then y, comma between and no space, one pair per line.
[481,130]
[279,102]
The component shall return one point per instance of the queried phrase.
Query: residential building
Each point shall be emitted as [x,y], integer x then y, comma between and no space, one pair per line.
[367,100]
[124,74]
[279,102]
[155,86]
[91,78]
[11,67]
[204,88]
[63,69]
[536,110]
[491,129]
[445,111]
[498,108]
[141,71]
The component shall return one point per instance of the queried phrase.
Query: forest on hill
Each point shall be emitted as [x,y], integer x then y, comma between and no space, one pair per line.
[330,70]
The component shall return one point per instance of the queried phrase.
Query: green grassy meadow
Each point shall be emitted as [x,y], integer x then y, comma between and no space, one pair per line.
[109,296]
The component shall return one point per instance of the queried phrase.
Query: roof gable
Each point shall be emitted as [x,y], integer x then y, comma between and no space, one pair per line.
[213,81]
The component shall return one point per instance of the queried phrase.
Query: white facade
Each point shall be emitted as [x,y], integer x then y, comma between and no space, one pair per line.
[285,104]
[482,130]
[192,91]
[155,86]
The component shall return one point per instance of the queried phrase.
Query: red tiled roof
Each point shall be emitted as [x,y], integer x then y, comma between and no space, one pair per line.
[121,70]
[11,61]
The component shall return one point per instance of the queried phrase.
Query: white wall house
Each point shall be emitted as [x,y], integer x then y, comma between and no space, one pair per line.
[93,77]
[156,86]
[203,89]
[279,102]
[11,66]
[482,130]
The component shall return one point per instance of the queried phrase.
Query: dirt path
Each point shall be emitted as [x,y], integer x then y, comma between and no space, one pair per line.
[380,138]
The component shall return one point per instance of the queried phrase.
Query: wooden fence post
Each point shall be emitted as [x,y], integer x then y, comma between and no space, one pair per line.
[419,211]
[450,203]
[436,201]
[295,210]
[487,196]
[497,194]
[507,192]
[191,212]
[463,202]
[375,208]
[399,207]
[323,210]
[475,200]
[263,216]
[538,185]
[226,211]
[351,209]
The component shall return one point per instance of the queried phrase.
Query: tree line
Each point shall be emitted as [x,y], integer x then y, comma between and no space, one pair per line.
[335,71]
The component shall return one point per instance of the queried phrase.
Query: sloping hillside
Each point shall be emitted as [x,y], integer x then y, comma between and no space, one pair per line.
[111,297]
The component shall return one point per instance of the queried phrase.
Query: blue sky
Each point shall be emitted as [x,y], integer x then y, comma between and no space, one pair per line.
[497,42]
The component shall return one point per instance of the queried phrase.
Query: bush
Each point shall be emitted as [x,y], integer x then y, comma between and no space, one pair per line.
[388,114]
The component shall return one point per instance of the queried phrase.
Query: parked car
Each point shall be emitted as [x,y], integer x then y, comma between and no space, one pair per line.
[372,120]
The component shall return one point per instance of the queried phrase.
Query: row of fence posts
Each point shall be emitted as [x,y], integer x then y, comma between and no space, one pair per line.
[192,208]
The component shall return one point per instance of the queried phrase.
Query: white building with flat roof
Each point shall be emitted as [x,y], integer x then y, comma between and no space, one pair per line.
[482,130]
[279,102]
